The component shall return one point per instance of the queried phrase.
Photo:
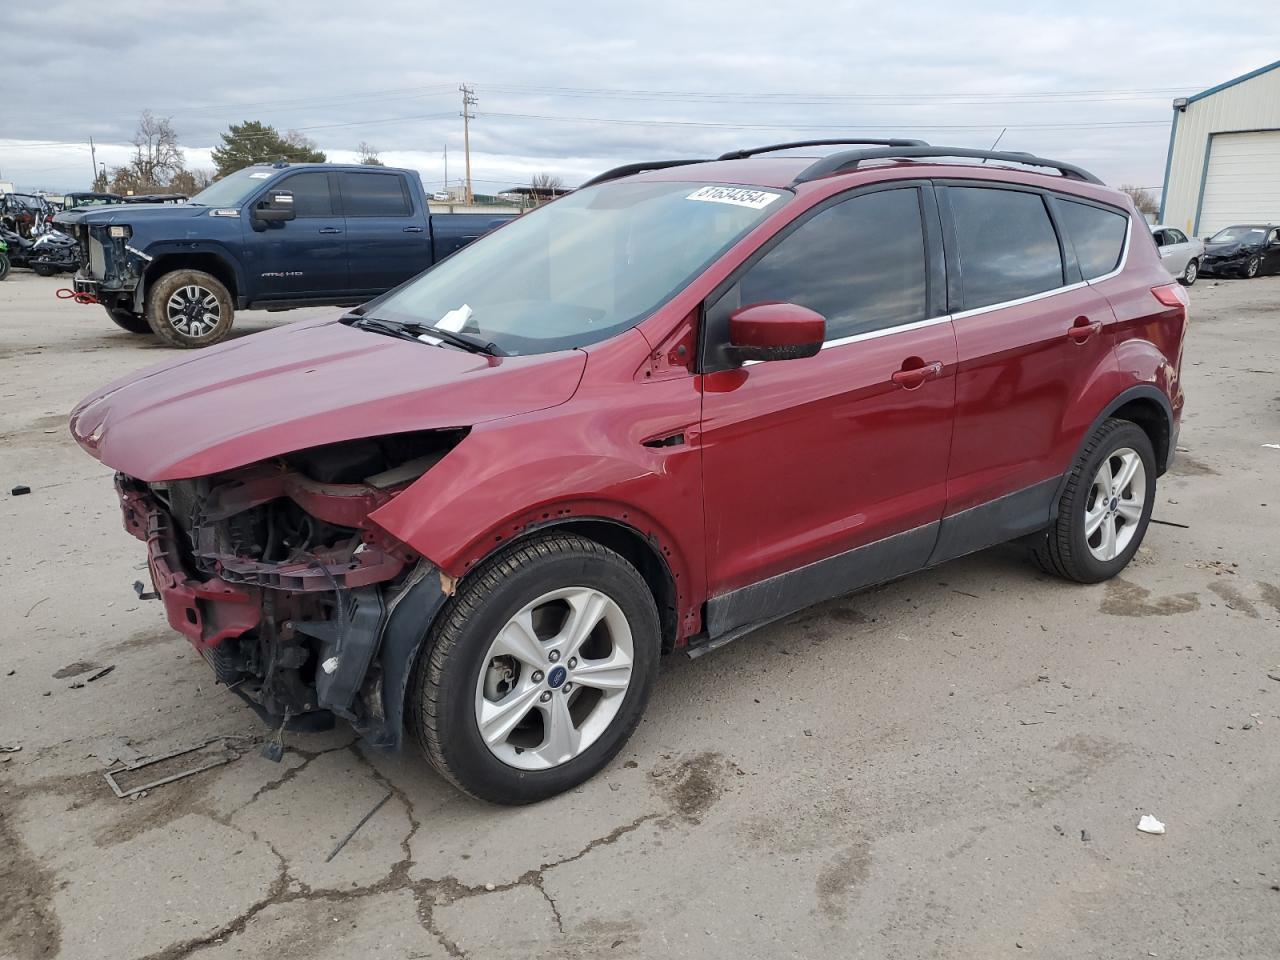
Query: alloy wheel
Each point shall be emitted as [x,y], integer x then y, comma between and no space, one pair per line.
[1251,270]
[1116,500]
[193,310]
[554,678]
[1189,275]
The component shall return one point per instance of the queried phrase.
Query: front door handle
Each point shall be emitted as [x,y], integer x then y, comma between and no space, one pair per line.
[1082,329]
[911,377]
[411,230]
[330,230]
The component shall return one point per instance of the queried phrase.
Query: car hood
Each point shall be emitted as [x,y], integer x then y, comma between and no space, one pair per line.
[130,213]
[301,386]
[1224,249]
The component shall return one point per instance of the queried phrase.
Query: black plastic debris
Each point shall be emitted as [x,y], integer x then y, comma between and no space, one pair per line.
[20,490]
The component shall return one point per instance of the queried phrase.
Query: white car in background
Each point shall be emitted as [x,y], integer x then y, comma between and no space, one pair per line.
[1180,254]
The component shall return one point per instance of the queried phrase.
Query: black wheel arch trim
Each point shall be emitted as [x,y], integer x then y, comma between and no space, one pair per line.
[196,248]
[1144,391]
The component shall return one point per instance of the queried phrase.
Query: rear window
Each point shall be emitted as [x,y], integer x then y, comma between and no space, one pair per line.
[1097,236]
[1007,244]
[374,195]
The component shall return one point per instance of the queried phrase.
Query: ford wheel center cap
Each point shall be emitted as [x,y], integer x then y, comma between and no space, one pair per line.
[556,677]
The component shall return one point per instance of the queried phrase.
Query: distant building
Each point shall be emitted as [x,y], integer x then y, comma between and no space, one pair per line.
[1224,155]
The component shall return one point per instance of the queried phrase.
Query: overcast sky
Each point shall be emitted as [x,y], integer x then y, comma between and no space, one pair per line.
[571,88]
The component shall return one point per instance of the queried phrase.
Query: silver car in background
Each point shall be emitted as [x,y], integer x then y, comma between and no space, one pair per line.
[1181,254]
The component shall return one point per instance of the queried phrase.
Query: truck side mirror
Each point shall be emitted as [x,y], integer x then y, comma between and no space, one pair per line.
[276,206]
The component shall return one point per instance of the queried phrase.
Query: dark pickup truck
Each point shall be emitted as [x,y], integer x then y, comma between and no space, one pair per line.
[264,238]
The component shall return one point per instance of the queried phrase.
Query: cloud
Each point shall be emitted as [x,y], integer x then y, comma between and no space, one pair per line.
[549,78]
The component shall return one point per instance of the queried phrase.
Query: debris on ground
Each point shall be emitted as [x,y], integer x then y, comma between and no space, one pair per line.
[1084,836]
[33,606]
[1149,824]
[7,748]
[229,753]
[363,820]
[101,673]
[20,490]
[109,750]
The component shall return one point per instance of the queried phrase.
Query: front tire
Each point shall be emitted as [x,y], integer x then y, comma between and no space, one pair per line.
[1190,273]
[4,266]
[189,308]
[1251,269]
[43,269]
[1105,508]
[537,671]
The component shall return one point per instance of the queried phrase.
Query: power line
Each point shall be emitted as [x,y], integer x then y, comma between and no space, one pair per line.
[1086,125]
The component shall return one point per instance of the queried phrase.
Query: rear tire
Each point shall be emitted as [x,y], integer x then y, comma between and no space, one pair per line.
[520,758]
[1191,272]
[43,269]
[128,320]
[1068,549]
[4,266]
[189,308]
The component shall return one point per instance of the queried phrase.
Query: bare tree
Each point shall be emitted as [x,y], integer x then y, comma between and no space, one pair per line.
[547,183]
[157,158]
[1142,199]
[369,155]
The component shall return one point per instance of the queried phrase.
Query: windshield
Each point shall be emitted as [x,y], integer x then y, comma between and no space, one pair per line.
[583,268]
[1239,235]
[232,189]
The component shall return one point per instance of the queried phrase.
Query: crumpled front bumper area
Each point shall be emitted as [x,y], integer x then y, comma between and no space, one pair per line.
[286,591]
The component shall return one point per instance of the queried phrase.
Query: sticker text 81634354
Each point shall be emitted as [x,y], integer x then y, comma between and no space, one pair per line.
[738,196]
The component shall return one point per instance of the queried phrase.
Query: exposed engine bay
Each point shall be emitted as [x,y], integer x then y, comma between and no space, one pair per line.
[276,575]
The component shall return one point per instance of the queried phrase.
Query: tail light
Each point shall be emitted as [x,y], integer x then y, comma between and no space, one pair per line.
[1171,295]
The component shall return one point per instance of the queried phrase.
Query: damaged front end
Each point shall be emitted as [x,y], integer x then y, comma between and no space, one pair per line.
[277,576]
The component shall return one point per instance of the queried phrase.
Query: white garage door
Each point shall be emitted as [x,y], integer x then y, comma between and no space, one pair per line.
[1242,182]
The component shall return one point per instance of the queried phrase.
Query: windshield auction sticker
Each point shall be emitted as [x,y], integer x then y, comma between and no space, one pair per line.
[738,196]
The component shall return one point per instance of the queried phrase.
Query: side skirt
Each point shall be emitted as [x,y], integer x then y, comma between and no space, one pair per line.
[998,521]
[739,612]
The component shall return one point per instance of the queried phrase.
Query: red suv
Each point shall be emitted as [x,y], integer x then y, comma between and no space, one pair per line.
[682,402]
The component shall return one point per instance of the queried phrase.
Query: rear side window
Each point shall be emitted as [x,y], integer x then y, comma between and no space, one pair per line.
[1098,236]
[374,195]
[861,264]
[1008,248]
[1177,236]
[311,197]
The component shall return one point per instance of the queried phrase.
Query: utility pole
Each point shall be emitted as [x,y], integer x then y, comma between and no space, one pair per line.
[446,168]
[93,157]
[468,100]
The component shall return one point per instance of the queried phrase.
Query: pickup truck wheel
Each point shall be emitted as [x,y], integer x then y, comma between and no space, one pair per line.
[1105,508]
[189,308]
[537,671]
[127,320]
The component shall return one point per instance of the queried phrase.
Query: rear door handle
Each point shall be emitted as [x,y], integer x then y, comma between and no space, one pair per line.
[1082,329]
[910,378]
[330,230]
[411,230]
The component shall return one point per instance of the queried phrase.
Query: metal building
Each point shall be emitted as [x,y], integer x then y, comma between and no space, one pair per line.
[1224,155]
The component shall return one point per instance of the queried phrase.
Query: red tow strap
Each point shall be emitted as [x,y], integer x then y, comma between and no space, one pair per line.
[66,293]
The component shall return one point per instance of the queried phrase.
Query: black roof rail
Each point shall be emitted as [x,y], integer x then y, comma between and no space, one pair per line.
[752,151]
[849,160]
[627,169]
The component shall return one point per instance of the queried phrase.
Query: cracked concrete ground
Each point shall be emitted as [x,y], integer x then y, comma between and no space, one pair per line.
[901,773]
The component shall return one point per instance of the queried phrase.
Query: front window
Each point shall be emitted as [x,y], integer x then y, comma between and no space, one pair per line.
[233,189]
[1249,235]
[583,268]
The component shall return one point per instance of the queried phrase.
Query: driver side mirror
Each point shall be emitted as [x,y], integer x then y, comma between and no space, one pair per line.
[775,331]
[275,207]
